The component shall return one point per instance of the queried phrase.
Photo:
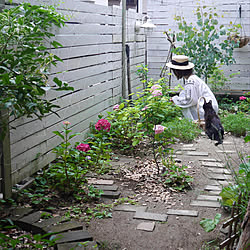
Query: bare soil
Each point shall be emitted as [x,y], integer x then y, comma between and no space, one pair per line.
[179,232]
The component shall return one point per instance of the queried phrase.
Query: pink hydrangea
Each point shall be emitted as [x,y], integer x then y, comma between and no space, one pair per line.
[66,123]
[242,98]
[83,147]
[103,124]
[157,92]
[117,106]
[155,87]
[159,129]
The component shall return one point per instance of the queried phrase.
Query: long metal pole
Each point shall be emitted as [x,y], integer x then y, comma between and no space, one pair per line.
[124,49]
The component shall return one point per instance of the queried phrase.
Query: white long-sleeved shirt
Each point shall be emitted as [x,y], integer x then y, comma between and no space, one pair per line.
[188,98]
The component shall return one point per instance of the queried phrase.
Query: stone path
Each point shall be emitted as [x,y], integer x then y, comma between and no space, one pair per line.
[217,174]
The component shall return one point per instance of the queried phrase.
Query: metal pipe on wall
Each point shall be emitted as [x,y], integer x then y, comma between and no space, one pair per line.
[124,48]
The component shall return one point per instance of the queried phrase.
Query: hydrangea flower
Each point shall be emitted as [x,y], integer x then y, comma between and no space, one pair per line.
[157,92]
[83,147]
[66,123]
[103,124]
[117,106]
[242,98]
[159,129]
[155,87]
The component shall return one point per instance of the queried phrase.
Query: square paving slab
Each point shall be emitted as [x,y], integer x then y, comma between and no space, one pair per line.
[146,226]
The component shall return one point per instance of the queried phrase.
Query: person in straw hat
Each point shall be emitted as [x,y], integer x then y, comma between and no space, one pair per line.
[194,88]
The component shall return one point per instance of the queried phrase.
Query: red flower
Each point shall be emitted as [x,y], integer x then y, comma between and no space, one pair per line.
[83,147]
[242,98]
[103,124]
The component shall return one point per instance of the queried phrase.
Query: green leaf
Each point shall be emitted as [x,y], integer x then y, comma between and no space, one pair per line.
[59,134]
[210,224]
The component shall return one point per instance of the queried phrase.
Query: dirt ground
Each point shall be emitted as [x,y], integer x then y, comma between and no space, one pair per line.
[179,232]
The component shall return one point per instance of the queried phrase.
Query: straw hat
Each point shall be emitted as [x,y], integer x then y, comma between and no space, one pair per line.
[180,62]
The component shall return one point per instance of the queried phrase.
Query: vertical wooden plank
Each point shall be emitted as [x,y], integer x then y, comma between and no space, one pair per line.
[5,156]
[2,4]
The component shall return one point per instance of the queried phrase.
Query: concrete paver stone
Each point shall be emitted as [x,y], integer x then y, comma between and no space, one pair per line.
[150,216]
[213,188]
[212,164]
[226,151]
[214,192]
[210,159]
[63,227]
[71,236]
[111,194]
[49,222]
[205,203]
[188,149]
[222,177]
[192,213]
[208,198]
[18,213]
[146,226]
[187,145]
[100,182]
[197,153]
[130,208]
[218,170]
[107,187]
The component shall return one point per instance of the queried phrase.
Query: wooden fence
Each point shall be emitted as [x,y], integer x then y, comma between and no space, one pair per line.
[163,13]
[92,52]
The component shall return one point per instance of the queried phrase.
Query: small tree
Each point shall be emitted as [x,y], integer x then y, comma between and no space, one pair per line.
[25,59]
[203,42]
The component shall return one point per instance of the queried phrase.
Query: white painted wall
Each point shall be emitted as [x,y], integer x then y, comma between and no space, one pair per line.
[92,51]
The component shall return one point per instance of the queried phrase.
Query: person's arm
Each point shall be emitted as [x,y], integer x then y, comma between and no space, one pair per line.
[187,97]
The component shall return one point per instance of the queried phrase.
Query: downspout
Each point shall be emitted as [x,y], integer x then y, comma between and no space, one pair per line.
[124,49]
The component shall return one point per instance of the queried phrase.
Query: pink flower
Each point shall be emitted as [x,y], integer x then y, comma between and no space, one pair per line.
[242,98]
[157,92]
[83,147]
[103,124]
[117,106]
[146,107]
[159,129]
[66,123]
[155,87]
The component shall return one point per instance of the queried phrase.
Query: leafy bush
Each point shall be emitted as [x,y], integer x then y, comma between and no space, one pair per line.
[175,175]
[125,130]
[241,186]
[205,38]
[183,129]
[237,124]
[25,60]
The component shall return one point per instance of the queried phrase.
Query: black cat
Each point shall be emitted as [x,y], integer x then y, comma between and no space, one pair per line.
[213,127]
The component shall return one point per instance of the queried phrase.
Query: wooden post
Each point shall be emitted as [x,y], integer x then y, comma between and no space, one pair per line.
[124,6]
[5,156]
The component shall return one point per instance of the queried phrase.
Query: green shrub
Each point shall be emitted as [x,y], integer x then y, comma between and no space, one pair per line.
[183,129]
[238,124]
[241,186]
[25,35]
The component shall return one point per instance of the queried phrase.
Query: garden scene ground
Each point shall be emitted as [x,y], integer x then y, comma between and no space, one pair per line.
[155,217]
[122,231]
